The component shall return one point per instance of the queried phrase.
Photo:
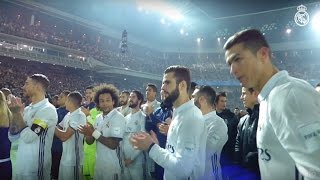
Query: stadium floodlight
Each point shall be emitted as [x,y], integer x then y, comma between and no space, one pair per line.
[198,40]
[288,31]
[163,21]
[174,14]
[181,31]
[316,22]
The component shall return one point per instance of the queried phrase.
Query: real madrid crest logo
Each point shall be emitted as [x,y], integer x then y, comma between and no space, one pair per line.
[301,17]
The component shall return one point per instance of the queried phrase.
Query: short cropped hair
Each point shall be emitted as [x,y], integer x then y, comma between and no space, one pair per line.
[252,39]
[76,98]
[181,73]
[41,79]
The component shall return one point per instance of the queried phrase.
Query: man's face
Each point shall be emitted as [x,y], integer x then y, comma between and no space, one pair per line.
[170,88]
[68,103]
[29,87]
[62,99]
[89,94]
[123,100]
[244,65]
[222,103]
[248,99]
[133,100]
[150,94]
[106,103]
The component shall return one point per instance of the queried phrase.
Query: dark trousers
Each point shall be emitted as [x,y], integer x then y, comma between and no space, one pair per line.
[6,170]
[56,157]
[159,171]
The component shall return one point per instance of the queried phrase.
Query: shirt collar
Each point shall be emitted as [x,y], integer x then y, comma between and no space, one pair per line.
[184,106]
[40,103]
[75,111]
[271,84]
[111,113]
[210,114]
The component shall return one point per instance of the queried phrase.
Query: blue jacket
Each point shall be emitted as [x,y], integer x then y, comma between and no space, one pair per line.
[56,143]
[159,116]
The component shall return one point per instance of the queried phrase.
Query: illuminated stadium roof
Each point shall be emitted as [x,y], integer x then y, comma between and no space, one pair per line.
[189,24]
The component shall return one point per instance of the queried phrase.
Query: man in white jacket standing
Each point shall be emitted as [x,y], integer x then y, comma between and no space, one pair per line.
[184,155]
[217,131]
[135,123]
[288,133]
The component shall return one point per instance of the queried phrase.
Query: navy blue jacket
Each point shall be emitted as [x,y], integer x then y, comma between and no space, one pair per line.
[159,116]
[56,143]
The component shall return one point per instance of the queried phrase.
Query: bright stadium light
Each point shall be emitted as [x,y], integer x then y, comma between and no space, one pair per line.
[316,22]
[174,15]
[163,21]
[288,31]
[198,40]
[181,31]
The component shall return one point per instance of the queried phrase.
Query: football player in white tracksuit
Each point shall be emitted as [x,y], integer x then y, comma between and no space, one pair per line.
[67,131]
[288,133]
[34,128]
[135,122]
[184,155]
[217,131]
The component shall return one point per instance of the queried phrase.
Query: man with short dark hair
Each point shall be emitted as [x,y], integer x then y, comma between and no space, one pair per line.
[124,108]
[56,149]
[34,127]
[135,123]
[217,131]
[232,122]
[288,138]
[67,131]
[184,155]
[246,152]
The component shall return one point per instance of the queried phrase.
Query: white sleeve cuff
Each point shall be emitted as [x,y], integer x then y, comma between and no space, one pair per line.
[96,134]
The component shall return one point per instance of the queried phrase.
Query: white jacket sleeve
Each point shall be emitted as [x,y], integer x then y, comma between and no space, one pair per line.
[296,122]
[47,116]
[180,160]
[217,136]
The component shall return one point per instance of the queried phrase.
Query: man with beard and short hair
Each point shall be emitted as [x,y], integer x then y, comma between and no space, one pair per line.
[217,131]
[34,127]
[89,97]
[107,131]
[124,108]
[184,155]
[135,122]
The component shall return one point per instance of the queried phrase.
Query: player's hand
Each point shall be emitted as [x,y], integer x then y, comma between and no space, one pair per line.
[141,141]
[86,111]
[86,129]
[149,110]
[164,128]
[15,104]
[127,162]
